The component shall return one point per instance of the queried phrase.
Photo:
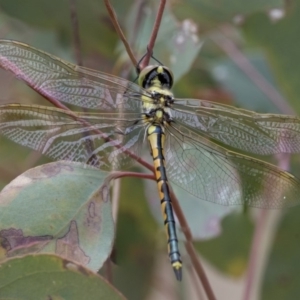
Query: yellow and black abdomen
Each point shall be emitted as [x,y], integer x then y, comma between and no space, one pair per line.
[156,137]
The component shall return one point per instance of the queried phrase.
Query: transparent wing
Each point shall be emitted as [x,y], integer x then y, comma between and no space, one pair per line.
[101,140]
[112,137]
[215,174]
[62,81]
[239,128]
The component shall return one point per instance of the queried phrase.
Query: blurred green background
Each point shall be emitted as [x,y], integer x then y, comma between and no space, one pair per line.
[227,51]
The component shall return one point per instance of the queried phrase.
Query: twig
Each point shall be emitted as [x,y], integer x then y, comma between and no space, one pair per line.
[120,174]
[108,270]
[119,31]
[146,59]
[7,173]
[255,246]
[75,27]
[255,76]
[191,250]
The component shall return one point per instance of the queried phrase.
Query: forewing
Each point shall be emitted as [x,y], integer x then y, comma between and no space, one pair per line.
[61,81]
[239,128]
[215,174]
[101,140]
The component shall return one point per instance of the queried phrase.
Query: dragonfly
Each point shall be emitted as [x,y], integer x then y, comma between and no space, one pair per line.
[195,144]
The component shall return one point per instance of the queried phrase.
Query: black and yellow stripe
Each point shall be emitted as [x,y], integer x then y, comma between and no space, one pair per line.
[156,138]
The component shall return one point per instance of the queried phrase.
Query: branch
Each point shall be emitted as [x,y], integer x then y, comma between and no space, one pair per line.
[119,31]
[146,59]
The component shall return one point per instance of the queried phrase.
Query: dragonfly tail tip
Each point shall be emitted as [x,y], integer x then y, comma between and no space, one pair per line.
[178,273]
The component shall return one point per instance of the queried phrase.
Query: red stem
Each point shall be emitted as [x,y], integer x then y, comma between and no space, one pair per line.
[153,36]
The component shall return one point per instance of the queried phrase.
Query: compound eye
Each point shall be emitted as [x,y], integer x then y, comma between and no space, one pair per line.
[144,74]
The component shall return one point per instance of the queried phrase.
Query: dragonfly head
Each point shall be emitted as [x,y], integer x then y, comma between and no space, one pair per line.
[159,76]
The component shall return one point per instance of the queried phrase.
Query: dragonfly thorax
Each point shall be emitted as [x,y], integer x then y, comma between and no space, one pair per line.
[157,105]
[158,117]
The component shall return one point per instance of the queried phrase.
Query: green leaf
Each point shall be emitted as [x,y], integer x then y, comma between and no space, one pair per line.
[211,13]
[136,241]
[246,94]
[229,252]
[281,279]
[51,277]
[60,208]
[280,41]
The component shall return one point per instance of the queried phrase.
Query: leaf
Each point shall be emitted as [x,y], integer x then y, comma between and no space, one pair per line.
[229,252]
[136,241]
[211,13]
[89,14]
[51,277]
[281,47]
[281,279]
[246,94]
[60,208]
